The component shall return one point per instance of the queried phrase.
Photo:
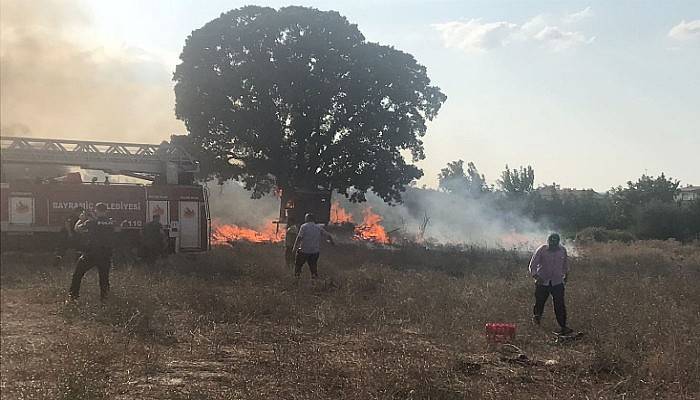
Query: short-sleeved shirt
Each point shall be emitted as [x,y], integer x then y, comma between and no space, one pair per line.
[310,237]
[100,234]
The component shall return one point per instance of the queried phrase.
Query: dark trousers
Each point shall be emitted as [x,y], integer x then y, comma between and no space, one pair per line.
[289,257]
[542,293]
[86,262]
[151,254]
[303,258]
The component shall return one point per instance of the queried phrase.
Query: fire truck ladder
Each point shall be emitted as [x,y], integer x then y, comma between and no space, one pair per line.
[144,161]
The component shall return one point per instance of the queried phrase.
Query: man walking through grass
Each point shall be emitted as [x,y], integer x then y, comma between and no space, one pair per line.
[549,266]
[308,245]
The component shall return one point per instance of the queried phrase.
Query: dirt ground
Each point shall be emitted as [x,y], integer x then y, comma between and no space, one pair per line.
[234,324]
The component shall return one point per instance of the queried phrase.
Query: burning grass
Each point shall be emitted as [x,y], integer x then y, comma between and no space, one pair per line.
[369,230]
[223,233]
[380,324]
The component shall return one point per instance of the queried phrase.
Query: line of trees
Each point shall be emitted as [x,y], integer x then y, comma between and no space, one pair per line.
[644,209]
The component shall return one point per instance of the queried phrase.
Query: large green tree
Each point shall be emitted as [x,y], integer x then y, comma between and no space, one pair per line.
[297,98]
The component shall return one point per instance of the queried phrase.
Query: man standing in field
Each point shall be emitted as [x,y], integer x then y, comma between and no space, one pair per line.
[308,245]
[290,239]
[549,266]
[99,234]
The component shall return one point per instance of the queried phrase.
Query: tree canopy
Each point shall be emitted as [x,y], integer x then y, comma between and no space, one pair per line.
[517,181]
[647,189]
[297,98]
[454,179]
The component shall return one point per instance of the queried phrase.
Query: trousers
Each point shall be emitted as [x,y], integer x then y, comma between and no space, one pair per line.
[85,263]
[303,258]
[542,293]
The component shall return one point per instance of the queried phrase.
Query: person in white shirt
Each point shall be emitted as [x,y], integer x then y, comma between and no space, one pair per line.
[308,245]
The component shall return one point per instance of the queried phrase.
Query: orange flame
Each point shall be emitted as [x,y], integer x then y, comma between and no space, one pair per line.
[370,229]
[339,215]
[227,233]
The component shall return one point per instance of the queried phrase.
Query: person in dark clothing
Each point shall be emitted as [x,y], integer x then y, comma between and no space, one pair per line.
[69,239]
[153,240]
[549,268]
[99,233]
[290,238]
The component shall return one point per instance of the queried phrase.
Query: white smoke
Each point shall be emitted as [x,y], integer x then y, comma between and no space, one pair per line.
[58,81]
[454,219]
[230,203]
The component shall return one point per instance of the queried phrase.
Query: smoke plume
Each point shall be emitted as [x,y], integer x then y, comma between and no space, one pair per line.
[57,82]
[453,219]
[230,203]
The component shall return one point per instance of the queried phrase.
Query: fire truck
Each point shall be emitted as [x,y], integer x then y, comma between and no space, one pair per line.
[34,211]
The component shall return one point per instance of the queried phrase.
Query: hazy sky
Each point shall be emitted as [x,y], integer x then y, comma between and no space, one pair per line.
[591,93]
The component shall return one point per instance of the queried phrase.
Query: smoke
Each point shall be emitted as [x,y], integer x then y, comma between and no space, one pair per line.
[56,83]
[32,171]
[230,203]
[454,219]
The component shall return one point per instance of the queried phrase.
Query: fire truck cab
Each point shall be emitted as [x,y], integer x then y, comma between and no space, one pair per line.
[32,210]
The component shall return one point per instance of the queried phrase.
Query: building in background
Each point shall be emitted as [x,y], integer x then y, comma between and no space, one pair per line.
[688,194]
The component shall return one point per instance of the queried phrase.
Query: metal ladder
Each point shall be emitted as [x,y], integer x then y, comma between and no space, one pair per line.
[138,160]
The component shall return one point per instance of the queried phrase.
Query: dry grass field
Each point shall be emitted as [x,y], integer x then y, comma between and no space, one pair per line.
[381,324]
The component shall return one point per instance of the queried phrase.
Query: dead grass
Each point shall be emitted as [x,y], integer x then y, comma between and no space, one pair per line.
[380,324]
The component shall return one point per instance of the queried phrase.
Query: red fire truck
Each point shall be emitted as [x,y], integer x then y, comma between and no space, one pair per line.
[34,210]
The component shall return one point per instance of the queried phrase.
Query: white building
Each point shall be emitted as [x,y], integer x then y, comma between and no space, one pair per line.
[688,194]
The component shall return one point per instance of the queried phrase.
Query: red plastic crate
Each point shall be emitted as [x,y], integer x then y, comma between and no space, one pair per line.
[500,332]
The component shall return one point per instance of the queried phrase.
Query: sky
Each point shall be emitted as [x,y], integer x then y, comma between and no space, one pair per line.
[590,93]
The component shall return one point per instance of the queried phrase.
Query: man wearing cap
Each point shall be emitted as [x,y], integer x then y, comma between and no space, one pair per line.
[99,234]
[308,245]
[549,266]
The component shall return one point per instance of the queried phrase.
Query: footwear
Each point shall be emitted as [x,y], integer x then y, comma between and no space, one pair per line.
[565,331]
[536,319]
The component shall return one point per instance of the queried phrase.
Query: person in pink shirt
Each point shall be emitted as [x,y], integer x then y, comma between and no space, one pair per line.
[549,266]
